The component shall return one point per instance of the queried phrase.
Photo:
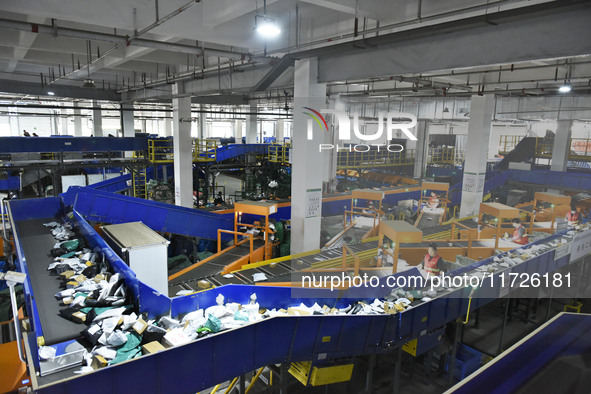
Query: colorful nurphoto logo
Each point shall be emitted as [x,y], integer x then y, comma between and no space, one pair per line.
[317,117]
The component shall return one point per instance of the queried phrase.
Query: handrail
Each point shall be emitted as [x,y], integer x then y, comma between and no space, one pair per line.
[236,242]
[347,249]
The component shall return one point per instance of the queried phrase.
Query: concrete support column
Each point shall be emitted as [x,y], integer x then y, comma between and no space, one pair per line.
[127,127]
[279,130]
[202,123]
[251,124]
[77,121]
[238,131]
[167,127]
[561,147]
[306,179]
[422,148]
[63,122]
[14,123]
[481,112]
[97,120]
[330,156]
[182,147]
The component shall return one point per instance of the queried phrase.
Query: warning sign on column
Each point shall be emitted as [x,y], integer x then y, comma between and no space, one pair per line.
[313,203]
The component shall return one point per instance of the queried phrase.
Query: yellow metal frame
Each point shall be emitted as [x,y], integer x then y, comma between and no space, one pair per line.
[500,212]
[307,374]
[368,195]
[279,153]
[264,209]
[580,148]
[551,198]
[138,183]
[445,155]
[373,158]
[204,150]
[398,231]
[424,200]
[160,151]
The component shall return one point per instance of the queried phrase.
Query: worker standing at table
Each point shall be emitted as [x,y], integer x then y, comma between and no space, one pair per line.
[519,234]
[573,216]
[432,261]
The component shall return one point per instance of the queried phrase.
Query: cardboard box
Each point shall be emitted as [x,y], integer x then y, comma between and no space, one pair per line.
[203,284]
[67,274]
[152,347]
[79,317]
[140,326]
[99,277]
[72,284]
[98,362]
[297,312]
[80,278]
[390,308]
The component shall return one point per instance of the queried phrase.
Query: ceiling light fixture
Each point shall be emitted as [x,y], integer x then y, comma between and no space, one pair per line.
[51,93]
[567,87]
[266,26]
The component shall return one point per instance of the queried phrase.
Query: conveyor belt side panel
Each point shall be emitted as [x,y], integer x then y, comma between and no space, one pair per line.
[114,208]
[27,209]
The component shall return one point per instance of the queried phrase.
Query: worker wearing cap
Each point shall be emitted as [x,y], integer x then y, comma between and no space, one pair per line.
[573,216]
[519,234]
[432,261]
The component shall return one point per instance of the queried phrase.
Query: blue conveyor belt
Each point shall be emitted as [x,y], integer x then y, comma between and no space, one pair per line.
[218,357]
[233,151]
[554,359]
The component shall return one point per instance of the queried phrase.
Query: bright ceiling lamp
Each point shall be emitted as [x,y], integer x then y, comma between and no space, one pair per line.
[51,93]
[266,27]
[567,87]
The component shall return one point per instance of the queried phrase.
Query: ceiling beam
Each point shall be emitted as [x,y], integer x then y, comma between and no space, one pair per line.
[9,86]
[548,30]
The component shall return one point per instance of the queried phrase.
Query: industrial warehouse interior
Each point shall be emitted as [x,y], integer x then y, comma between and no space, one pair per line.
[295,196]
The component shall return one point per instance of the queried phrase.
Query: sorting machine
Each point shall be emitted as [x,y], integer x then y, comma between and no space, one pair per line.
[429,215]
[320,340]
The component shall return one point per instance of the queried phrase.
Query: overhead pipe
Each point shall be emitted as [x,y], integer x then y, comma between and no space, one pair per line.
[391,26]
[118,39]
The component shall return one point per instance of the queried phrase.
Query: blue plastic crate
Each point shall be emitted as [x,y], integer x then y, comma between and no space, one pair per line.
[467,361]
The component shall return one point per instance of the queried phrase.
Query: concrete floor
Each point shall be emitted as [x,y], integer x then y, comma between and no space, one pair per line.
[232,184]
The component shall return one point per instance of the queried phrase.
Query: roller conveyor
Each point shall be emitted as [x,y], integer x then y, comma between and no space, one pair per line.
[36,241]
[212,267]
[429,220]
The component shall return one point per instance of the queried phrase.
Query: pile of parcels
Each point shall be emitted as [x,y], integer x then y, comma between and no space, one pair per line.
[518,256]
[117,332]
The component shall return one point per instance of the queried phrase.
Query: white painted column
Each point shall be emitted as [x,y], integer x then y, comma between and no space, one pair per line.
[97,120]
[127,126]
[330,156]
[238,131]
[422,148]
[481,112]
[279,130]
[251,124]
[202,123]
[167,127]
[561,147]
[63,122]
[306,179]
[77,121]
[182,147]
[15,130]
